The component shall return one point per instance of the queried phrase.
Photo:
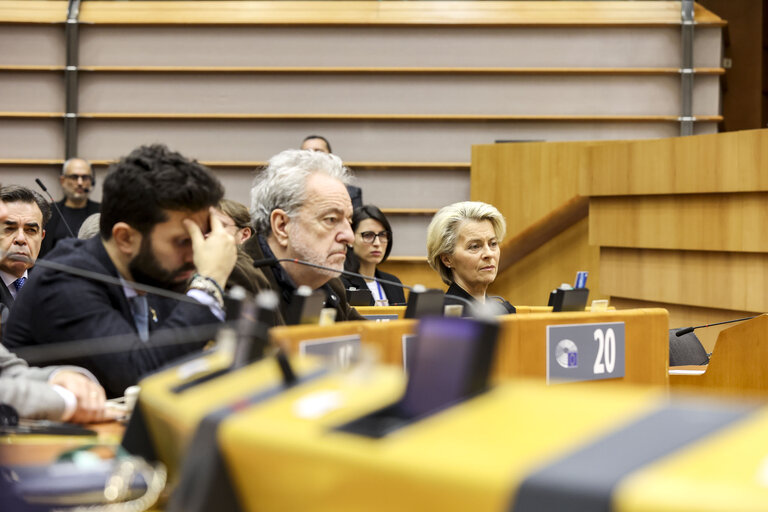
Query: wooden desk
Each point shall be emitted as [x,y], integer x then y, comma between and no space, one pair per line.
[44,449]
[738,365]
[521,350]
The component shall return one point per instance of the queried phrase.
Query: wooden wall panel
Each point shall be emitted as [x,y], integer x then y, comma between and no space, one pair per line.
[712,222]
[391,188]
[530,281]
[31,138]
[32,45]
[411,93]
[366,141]
[32,92]
[525,181]
[727,162]
[735,281]
[394,46]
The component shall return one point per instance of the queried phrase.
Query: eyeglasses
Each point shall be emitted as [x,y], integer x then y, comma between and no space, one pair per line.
[369,236]
[78,177]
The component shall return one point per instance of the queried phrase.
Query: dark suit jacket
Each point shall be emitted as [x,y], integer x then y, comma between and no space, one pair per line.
[255,280]
[59,307]
[394,294]
[5,296]
[457,291]
[356,195]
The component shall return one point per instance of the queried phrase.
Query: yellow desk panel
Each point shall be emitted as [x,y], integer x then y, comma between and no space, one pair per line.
[470,457]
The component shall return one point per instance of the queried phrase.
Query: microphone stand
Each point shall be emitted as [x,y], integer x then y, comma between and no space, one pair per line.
[686,330]
[40,183]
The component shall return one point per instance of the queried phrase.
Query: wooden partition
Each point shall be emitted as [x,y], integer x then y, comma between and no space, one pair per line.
[679,224]
[401,89]
[526,182]
[522,341]
[738,365]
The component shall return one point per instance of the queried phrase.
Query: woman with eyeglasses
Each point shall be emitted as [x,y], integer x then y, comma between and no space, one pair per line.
[373,243]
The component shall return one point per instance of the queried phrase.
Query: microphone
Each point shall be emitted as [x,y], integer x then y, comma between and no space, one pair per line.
[58,210]
[429,306]
[686,330]
[269,262]
[103,278]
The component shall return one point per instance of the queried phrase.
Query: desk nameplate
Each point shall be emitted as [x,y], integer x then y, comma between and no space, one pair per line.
[583,352]
[341,351]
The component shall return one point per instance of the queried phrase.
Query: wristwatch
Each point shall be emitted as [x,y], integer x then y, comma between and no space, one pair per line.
[208,285]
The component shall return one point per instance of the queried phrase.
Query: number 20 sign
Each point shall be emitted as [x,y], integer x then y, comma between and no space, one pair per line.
[580,352]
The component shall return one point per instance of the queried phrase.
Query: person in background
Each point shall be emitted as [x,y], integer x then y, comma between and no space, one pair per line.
[77,182]
[372,246]
[236,220]
[463,247]
[320,143]
[52,393]
[21,232]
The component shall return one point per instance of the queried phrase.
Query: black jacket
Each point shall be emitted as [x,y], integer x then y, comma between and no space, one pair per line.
[5,296]
[457,291]
[255,280]
[59,307]
[394,293]
[56,230]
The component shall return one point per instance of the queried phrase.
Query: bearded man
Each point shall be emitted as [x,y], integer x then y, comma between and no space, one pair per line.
[300,209]
[156,228]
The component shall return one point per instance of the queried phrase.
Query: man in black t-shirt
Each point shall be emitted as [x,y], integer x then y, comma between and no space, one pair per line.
[77,181]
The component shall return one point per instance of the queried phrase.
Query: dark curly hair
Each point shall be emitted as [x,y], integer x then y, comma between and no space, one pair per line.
[150,180]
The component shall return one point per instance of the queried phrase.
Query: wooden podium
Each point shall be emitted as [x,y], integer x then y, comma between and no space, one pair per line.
[739,364]
[679,223]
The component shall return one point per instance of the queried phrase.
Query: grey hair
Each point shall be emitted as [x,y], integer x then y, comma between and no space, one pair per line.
[443,231]
[282,184]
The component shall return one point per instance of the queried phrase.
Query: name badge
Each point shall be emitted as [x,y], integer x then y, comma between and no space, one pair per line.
[340,351]
[582,352]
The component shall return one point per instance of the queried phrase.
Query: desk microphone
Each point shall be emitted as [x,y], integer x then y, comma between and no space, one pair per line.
[686,330]
[58,210]
[103,278]
[415,290]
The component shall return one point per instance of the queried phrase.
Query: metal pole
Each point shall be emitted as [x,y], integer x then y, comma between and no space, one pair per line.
[686,70]
[72,35]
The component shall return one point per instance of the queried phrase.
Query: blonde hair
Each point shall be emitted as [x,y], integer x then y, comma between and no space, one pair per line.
[443,231]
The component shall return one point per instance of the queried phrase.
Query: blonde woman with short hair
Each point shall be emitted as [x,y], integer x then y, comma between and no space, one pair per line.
[463,247]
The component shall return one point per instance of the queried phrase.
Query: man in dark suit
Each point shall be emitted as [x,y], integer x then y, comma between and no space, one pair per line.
[156,206]
[54,393]
[77,182]
[21,233]
[300,210]
[320,143]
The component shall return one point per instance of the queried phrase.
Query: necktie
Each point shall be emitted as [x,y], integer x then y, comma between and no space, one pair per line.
[19,283]
[140,310]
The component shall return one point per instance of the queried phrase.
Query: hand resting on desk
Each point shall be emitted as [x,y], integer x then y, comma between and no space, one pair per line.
[90,396]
